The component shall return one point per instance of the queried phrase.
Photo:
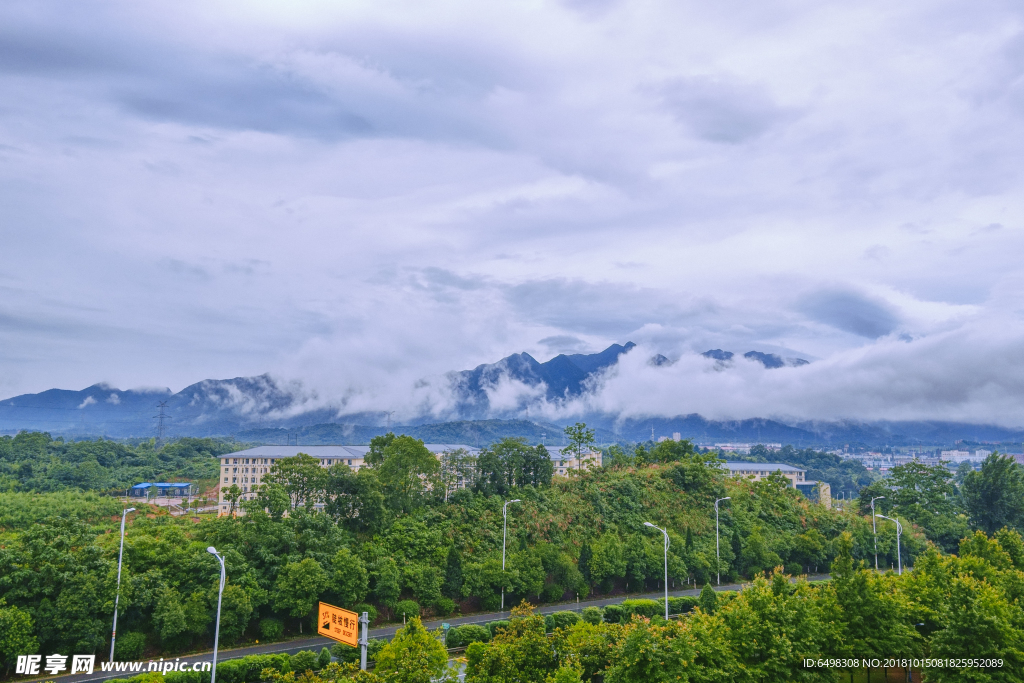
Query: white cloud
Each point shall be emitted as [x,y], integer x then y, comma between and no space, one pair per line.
[358,196]
[88,401]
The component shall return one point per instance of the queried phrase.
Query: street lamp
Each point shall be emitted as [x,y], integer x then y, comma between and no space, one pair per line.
[899,530]
[504,532]
[666,563]
[117,595]
[718,557]
[220,594]
[874,531]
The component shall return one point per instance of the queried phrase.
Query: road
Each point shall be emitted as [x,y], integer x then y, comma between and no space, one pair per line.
[316,643]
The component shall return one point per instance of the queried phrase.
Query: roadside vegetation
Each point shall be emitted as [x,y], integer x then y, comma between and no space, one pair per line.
[402,538]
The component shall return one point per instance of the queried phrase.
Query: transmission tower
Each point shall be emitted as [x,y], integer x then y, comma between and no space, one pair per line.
[160,423]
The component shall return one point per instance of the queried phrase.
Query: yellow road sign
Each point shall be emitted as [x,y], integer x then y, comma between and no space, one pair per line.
[339,624]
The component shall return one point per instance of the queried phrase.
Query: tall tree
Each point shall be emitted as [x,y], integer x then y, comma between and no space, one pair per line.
[301,477]
[580,441]
[994,496]
[453,574]
[407,471]
[298,587]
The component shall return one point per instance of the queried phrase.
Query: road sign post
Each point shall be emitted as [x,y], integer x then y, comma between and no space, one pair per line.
[364,639]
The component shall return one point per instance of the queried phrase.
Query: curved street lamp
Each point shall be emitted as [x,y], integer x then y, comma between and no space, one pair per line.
[504,531]
[117,596]
[899,531]
[220,594]
[718,557]
[666,563]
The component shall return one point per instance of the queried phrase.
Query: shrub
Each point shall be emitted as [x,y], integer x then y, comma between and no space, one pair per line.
[463,636]
[130,646]
[613,614]
[185,677]
[491,602]
[708,599]
[371,611]
[643,608]
[681,605]
[565,619]
[345,653]
[373,646]
[324,659]
[495,625]
[306,660]
[794,569]
[444,606]
[552,593]
[593,615]
[549,623]
[410,608]
[271,629]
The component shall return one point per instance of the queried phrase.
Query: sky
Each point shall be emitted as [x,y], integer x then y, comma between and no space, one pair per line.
[362,196]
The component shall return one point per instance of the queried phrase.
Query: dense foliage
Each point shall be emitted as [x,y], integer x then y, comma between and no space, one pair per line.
[34,461]
[394,538]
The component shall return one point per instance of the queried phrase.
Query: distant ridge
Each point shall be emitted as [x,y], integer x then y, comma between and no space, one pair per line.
[266,410]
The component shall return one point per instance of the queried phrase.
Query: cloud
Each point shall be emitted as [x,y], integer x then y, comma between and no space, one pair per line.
[851,312]
[89,400]
[720,110]
[362,198]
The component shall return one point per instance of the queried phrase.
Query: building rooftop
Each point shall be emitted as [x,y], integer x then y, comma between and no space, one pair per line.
[760,467]
[329,451]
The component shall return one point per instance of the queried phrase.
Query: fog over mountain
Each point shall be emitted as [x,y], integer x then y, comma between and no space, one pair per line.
[516,395]
[346,203]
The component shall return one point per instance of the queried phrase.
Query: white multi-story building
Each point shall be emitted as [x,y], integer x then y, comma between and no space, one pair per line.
[247,468]
[815,490]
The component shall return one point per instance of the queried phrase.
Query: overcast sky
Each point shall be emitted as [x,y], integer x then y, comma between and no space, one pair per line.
[361,194]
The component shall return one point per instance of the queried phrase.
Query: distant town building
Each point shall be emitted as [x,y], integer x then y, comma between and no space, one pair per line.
[961,456]
[564,461]
[818,491]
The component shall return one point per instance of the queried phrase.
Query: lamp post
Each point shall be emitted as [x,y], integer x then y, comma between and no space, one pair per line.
[220,594]
[504,533]
[899,531]
[117,595]
[666,563]
[718,556]
[874,531]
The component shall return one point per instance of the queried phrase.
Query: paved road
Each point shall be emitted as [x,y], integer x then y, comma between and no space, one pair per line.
[315,643]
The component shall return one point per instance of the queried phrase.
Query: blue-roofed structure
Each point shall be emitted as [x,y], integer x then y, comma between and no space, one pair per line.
[165,489]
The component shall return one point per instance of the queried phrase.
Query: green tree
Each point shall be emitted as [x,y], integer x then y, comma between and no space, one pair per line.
[298,587]
[981,624]
[16,635]
[873,614]
[349,578]
[579,442]
[692,649]
[414,655]
[236,611]
[994,496]
[519,652]
[407,471]
[452,587]
[456,470]
[586,557]
[301,477]
[708,599]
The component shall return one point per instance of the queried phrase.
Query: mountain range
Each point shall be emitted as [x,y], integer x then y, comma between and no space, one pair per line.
[262,409]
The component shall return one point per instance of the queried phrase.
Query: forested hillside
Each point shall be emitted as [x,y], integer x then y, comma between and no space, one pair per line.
[395,538]
[34,461]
